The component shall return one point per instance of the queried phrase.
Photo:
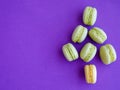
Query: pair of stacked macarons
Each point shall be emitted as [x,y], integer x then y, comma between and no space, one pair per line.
[107,52]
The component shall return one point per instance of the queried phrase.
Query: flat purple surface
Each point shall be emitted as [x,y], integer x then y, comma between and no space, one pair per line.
[32,33]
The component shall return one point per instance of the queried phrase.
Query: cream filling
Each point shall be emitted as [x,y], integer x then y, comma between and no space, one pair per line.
[90,74]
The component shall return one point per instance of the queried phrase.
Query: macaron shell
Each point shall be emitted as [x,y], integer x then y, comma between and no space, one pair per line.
[84,51]
[86,70]
[97,35]
[94,16]
[76,33]
[84,35]
[104,55]
[94,70]
[92,53]
[74,52]
[112,52]
[86,14]
[67,54]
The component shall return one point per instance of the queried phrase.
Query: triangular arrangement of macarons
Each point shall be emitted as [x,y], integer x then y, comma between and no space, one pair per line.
[107,52]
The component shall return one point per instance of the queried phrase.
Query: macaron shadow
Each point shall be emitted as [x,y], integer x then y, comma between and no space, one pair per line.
[81,74]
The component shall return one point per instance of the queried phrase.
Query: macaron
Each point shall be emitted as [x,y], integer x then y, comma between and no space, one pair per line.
[108,54]
[89,15]
[79,34]
[70,52]
[98,35]
[90,73]
[88,52]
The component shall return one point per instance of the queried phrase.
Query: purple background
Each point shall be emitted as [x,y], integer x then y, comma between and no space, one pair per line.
[32,33]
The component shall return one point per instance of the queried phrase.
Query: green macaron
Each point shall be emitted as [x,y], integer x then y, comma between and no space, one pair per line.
[108,54]
[89,15]
[88,52]
[79,34]
[70,52]
[98,35]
